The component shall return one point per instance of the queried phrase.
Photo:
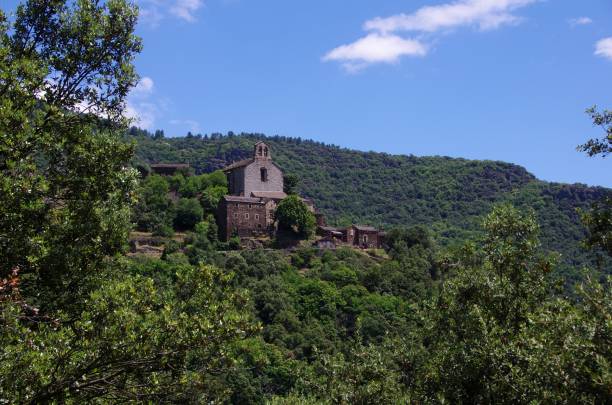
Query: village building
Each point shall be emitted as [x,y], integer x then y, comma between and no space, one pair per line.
[361,236]
[255,188]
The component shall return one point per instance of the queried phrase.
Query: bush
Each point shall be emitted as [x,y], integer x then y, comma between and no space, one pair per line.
[188,213]
[293,215]
[163,230]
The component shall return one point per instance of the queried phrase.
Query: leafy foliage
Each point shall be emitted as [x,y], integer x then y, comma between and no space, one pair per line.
[599,146]
[292,214]
[422,322]
[137,340]
[598,219]
[188,213]
[64,187]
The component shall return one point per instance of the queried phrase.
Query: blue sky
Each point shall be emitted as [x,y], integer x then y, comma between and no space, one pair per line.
[484,79]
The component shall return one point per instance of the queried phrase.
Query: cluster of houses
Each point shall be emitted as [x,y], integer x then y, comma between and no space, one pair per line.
[255,188]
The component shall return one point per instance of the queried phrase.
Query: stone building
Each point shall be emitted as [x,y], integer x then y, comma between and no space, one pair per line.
[361,236]
[258,176]
[255,188]
[366,237]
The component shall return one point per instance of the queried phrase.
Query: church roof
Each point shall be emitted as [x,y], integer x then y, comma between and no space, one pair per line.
[235,198]
[273,195]
[238,164]
[331,229]
[365,228]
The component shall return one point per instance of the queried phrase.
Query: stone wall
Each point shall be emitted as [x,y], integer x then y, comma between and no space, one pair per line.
[245,219]
[235,180]
[252,177]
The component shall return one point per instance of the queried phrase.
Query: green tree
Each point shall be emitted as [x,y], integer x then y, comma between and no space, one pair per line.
[188,213]
[65,70]
[598,220]
[138,339]
[490,333]
[290,183]
[215,179]
[601,146]
[293,215]
[191,187]
[210,198]
[154,209]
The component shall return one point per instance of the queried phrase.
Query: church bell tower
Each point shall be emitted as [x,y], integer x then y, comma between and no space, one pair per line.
[262,151]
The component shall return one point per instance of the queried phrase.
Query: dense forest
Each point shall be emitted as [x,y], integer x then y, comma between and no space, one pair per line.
[449,196]
[463,305]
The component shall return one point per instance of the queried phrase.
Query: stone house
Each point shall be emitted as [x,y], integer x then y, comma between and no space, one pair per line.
[362,236]
[366,237]
[244,217]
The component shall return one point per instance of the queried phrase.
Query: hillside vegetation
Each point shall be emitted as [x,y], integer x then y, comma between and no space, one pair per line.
[448,195]
[82,321]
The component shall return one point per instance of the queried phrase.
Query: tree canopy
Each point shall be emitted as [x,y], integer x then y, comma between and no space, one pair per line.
[293,215]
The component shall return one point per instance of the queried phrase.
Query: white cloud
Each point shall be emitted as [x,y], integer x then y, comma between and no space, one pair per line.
[152,12]
[603,48]
[375,48]
[385,45]
[143,115]
[580,21]
[151,16]
[144,87]
[139,107]
[185,9]
[193,126]
[485,14]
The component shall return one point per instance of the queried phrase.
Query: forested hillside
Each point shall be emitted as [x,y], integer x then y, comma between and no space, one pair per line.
[86,319]
[448,195]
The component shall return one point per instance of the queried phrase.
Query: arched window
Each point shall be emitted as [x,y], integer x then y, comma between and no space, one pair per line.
[264,174]
[260,151]
[266,151]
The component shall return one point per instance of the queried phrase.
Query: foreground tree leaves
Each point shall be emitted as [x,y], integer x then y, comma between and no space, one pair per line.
[75,325]
[601,146]
[65,70]
[496,335]
[136,340]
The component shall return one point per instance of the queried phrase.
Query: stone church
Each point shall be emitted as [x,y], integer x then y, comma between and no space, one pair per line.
[255,188]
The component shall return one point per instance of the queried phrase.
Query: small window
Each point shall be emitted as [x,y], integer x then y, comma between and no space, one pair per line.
[257,217]
[365,238]
[266,152]
[246,216]
[236,215]
[264,174]
[250,206]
